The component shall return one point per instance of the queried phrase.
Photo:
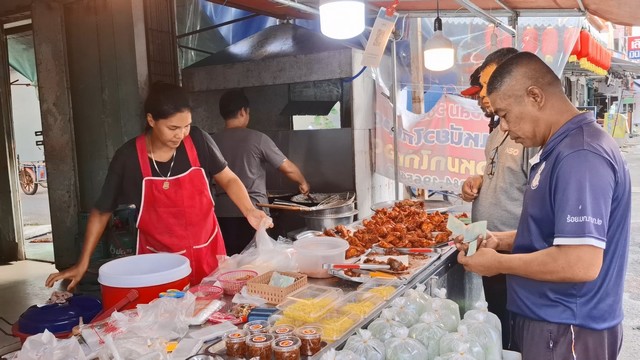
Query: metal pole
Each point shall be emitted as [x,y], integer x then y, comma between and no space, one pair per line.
[394,89]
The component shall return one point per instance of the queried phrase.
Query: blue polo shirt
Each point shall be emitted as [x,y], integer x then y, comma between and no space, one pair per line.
[579,193]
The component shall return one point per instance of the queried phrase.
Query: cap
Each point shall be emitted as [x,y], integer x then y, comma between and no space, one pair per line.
[471,91]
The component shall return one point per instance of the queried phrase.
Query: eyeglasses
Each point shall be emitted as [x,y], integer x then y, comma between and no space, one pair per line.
[491,167]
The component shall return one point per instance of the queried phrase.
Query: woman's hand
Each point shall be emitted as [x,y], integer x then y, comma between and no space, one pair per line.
[73,273]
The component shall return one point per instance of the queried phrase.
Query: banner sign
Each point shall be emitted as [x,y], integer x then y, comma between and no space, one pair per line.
[633,47]
[436,150]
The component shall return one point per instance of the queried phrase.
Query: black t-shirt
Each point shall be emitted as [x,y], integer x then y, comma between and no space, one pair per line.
[123,185]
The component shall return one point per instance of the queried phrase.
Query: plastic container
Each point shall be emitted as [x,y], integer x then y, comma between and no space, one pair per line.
[312,252]
[233,281]
[149,274]
[335,324]
[282,330]
[311,339]
[259,345]
[286,348]
[257,327]
[236,343]
[383,287]
[206,291]
[360,303]
[309,304]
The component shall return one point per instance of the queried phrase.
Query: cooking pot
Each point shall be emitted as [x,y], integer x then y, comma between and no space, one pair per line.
[323,222]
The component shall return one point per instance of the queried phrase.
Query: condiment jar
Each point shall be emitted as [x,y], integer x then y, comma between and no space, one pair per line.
[310,338]
[236,342]
[257,327]
[259,345]
[287,348]
[282,330]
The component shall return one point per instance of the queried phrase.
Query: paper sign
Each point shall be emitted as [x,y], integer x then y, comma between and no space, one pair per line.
[470,232]
[378,38]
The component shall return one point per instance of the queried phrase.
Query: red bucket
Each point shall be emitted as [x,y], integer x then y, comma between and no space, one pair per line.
[149,274]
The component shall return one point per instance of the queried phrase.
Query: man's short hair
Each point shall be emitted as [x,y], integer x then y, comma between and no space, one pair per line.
[231,102]
[536,71]
[498,57]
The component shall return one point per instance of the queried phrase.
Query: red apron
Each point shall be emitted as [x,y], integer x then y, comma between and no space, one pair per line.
[177,214]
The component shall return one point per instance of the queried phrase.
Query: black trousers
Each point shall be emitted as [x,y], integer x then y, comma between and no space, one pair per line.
[495,292]
[237,233]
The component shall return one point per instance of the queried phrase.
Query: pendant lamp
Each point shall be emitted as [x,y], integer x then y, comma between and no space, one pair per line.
[341,19]
[438,53]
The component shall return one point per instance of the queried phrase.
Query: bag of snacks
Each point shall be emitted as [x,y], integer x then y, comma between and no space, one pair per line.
[481,313]
[461,342]
[365,345]
[405,311]
[402,347]
[429,334]
[447,311]
[383,327]
[486,335]
[340,355]
[418,298]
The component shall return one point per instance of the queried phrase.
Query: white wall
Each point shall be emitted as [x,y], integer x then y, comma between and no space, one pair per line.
[26,119]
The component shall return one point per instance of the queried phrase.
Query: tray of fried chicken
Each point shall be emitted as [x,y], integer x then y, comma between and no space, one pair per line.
[406,228]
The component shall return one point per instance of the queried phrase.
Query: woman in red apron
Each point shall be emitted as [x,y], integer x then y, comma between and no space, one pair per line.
[167,173]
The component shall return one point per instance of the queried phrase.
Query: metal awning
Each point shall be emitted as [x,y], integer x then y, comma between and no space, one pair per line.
[621,65]
[622,12]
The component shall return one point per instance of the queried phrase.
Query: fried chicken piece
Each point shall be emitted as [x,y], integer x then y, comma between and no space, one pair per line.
[396,265]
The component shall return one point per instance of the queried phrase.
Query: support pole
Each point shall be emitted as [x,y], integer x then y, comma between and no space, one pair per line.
[396,127]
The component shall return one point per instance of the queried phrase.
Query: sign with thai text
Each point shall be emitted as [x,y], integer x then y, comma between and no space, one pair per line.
[633,47]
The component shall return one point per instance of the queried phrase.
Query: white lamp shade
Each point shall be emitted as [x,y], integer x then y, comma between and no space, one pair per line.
[438,53]
[341,19]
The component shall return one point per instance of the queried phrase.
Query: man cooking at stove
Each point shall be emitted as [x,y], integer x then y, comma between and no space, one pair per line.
[247,152]
[167,172]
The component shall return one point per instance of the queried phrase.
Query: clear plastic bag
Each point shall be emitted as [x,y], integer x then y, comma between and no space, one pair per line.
[384,327]
[487,336]
[461,343]
[402,347]
[447,311]
[455,356]
[341,355]
[419,298]
[45,346]
[481,313]
[406,311]
[365,345]
[429,334]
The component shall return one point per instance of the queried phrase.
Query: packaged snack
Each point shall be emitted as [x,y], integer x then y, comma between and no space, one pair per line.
[259,346]
[236,343]
[287,348]
[257,327]
[311,339]
[282,330]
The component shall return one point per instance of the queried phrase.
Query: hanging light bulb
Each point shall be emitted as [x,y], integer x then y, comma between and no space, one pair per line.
[438,53]
[341,19]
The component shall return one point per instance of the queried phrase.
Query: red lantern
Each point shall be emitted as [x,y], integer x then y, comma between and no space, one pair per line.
[585,44]
[568,43]
[549,43]
[530,39]
[607,59]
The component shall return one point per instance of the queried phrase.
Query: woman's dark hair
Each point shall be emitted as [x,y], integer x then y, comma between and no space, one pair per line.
[165,100]
[231,102]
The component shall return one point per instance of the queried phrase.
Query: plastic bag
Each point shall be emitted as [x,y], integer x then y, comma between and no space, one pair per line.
[263,254]
[487,336]
[455,356]
[402,347]
[243,297]
[341,355]
[45,346]
[481,313]
[461,342]
[429,334]
[406,311]
[447,311]
[418,298]
[365,345]
[383,328]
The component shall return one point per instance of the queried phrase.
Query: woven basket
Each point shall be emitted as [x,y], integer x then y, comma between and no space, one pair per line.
[259,285]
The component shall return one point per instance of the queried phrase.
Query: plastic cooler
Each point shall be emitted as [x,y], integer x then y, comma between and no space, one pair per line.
[149,274]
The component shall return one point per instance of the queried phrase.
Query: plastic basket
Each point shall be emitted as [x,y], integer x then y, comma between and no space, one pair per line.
[233,281]
[272,294]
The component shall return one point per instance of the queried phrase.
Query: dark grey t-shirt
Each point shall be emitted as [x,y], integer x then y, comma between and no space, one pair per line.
[247,153]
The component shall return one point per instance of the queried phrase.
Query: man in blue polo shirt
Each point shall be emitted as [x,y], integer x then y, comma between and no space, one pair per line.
[566,272]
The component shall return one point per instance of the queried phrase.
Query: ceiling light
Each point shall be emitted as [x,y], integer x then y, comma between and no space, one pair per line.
[341,19]
[438,53]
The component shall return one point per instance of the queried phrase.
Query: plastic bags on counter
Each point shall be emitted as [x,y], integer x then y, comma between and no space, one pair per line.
[463,355]
[45,346]
[384,327]
[447,311]
[486,335]
[341,355]
[419,299]
[402,347]
[429,334]
[365,345]
[405,311]
[461,342]
[481,313]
